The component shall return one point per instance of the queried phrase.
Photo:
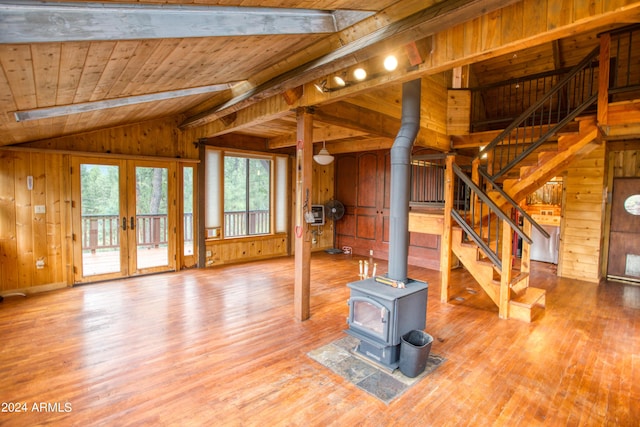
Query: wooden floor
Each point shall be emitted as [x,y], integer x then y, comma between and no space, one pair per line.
[221,347]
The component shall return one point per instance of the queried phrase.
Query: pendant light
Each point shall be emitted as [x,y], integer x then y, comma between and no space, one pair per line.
[323,157]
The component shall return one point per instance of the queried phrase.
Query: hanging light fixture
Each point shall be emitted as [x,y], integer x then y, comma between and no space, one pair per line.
[323,157]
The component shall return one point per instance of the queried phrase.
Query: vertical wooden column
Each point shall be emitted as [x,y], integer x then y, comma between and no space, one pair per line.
[303,176]
[505,277]
[445,244]
[525,257]
[603,80]
[199,226]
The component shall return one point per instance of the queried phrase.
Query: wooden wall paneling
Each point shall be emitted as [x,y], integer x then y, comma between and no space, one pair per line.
[433,106]
[8,241]
[323,191]
[41,268]
[472,30]
[458,112]
[490,35]
[586,8]
[559,13]
[535,13]
[24,220]
[233,251]
[455,46]
[581,231]
[151,138]
[512,22]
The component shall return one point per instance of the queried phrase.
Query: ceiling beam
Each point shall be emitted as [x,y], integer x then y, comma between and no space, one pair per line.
[85,107]
[40,22]
[320,133]
[377,124]
[431,20]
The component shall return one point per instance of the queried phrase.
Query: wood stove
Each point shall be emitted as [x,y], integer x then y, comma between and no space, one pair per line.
[379,315]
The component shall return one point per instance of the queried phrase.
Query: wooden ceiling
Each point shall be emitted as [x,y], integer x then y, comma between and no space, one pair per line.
[131,75]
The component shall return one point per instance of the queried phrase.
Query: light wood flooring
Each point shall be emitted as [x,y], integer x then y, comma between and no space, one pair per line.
[221,347]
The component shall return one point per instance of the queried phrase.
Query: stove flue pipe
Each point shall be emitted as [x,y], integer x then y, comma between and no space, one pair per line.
[401,181]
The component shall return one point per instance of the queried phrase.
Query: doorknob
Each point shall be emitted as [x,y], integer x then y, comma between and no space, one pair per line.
[133,223]
[124,223]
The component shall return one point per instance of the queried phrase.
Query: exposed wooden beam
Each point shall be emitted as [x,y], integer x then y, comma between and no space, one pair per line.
[246,142]
[373,122]
[358,118]
[84,107]
[320,133]
[435,18]
[263,111]
[40,22]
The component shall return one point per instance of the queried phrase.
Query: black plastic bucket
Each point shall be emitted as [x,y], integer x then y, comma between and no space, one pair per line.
[414,352]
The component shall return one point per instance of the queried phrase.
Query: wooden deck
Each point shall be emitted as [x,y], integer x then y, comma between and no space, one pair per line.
[221,347]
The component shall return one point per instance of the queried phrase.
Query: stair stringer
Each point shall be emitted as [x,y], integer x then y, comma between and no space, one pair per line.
[482,272]
[550,164]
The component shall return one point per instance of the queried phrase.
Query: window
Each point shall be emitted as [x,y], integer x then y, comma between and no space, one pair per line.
[245,194]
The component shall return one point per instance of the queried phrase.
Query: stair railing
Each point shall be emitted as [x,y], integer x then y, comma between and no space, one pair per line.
[513,203]
[560,105]
[480,218]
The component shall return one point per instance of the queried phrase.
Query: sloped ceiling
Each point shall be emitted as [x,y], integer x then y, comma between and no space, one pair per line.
[97,77]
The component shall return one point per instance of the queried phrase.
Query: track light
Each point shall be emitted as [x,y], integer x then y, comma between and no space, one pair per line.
[339,81]
[390,63]
[322,86]
[359,74]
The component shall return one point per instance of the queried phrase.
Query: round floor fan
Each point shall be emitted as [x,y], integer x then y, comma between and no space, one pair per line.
[334,210]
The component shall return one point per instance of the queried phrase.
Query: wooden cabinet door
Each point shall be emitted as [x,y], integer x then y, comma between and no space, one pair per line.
[362,186]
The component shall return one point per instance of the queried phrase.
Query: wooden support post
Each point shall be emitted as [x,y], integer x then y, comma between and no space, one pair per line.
[603,80]
[505,276]
[445,244]
[304,175]
[475,177]
[525,260]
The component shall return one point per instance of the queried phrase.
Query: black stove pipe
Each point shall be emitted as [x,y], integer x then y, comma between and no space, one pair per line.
[401,181]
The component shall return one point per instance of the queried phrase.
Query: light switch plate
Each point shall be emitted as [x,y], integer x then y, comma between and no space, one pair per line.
[39,209]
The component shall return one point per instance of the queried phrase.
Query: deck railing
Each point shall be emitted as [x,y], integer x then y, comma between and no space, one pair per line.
[103,231]
[246,223]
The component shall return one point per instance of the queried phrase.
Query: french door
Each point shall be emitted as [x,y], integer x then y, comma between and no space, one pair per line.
[124,218]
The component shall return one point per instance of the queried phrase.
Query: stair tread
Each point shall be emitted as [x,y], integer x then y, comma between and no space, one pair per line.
[529,297]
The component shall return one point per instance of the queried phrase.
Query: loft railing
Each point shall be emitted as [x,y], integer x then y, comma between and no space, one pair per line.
[560,105]
[427,180]
[496,105]
[624,82]
[481,219]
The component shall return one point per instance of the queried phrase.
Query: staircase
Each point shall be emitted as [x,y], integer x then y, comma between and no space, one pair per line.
[511,167]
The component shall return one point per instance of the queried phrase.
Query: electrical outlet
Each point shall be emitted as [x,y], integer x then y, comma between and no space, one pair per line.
[208,253]
[39,209]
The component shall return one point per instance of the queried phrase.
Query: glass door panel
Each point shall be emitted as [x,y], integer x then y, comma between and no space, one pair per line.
[100,238]
[151,218]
